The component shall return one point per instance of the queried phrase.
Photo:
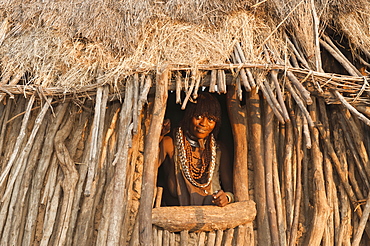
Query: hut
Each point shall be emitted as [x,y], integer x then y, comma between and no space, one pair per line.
[85,87]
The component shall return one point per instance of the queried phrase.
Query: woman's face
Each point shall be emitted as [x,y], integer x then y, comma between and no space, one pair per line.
[201,126]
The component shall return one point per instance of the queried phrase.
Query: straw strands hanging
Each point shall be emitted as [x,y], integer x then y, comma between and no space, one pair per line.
[84,86]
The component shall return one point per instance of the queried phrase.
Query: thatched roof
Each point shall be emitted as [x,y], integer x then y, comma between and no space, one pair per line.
[67,45]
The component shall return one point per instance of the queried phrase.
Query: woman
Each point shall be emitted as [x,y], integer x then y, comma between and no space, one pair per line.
[197,168]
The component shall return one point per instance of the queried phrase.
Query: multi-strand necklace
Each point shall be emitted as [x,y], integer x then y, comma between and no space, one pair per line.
[195,168]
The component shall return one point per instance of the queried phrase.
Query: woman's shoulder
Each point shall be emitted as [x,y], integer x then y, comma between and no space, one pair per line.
[167,143]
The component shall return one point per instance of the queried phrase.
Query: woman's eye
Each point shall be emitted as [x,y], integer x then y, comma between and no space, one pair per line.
[199,117]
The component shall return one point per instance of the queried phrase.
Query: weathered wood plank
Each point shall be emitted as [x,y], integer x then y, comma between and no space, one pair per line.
[203,218]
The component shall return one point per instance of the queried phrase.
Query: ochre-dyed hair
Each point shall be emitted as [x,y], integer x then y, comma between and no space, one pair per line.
[206,105]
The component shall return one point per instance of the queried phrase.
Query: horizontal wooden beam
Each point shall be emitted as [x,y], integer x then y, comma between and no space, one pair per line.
[204,218]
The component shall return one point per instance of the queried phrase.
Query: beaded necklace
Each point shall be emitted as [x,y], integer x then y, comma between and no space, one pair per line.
[190,169]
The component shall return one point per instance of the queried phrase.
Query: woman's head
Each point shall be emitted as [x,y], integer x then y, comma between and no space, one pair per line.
[203,117]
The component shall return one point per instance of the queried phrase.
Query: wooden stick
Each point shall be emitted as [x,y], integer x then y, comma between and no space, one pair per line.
[352,149]
[249,235]
[288,173]
[279,95]
[345,209]
[135,102]
[151,155]
[69,182]
[298,55]
[155,236]
[79,221]
[166,238]
[228,237]
[239,128]
[240,52]
[160,237]
[321,209]
[221,81]
[239,59]
[239,90]
[353,180]
[299,103]
[40,172]
[297,121]
[329,178]
[345,231]
[280,213]
[306,132]
[316,24]
[18,143]
[211,238]
[268,159]
[345,63]
[13,82]
[51,211]
[358,140]
[340,54]
[274,101]
[363,221]
[159,197]
[250,78]
[213,82]
[196,76]
[240,235]
[337,166]
[178,87]
[351,108]
[119,202]
[181,218]
[131,206]
[297,84]
[3,121]
[201,238]
[219,236]
[184,235]
[188,94]
[172,239]
[18,204]
[97,132]
[270,100]
[256,143]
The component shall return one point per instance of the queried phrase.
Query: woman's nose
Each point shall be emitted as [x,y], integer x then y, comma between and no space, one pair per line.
[203,121]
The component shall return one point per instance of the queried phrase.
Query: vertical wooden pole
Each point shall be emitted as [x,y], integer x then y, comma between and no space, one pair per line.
[150,158]
[239,127]
[321,207]
[268,137]
[237,116]
[256,143]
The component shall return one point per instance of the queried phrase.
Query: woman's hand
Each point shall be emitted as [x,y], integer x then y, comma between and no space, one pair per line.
[220,198]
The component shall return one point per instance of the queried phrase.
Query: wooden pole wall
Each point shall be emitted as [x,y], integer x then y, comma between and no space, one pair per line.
[150,159]
[84,173]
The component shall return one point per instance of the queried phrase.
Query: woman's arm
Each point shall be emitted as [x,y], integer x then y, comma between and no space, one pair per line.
[165,148]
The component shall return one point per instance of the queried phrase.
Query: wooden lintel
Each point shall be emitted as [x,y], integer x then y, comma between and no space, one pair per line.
[204,218]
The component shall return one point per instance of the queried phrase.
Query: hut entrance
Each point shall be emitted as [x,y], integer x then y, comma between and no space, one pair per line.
[211,225]
[173,116]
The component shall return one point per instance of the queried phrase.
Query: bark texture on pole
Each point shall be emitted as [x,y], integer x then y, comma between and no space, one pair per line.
[239,128]
[150,158]
[204,218]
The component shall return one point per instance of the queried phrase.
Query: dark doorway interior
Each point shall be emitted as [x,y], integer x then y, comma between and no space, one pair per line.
[174,113]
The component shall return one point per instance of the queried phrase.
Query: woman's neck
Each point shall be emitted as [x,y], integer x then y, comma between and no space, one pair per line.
[195,142]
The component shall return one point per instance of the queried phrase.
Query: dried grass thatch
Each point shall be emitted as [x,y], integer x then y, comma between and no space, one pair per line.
[71,44]
[289,60]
